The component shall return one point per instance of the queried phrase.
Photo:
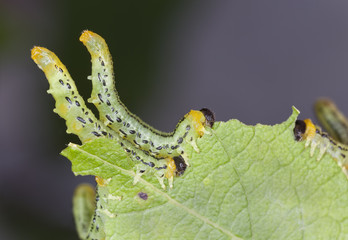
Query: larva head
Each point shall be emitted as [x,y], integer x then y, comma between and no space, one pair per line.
[198,121]
[304,129]
[180,165]
[209,117]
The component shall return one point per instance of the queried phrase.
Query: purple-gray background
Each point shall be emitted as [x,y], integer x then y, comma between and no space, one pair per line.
[249,60]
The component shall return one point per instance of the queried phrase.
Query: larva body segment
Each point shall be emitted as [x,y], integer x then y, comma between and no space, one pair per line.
[115,115]
[306,131]
[87,222]
[332,119]
[81,121]
[69,104]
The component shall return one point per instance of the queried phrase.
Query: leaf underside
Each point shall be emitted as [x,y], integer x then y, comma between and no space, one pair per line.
[249,182]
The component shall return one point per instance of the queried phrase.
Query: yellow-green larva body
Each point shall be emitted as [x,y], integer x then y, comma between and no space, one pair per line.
[306,131]
[332,119]
[115,115]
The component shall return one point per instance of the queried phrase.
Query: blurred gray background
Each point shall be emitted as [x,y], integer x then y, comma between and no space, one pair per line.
[249,60]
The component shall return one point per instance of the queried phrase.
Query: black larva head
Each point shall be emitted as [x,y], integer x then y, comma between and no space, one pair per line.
[299,129]
[209,116]
[180,165]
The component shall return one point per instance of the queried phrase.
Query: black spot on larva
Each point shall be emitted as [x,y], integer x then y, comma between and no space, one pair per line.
[136,143]
[60,70]
[61,82]
[174,147]
[145,141]
[109,118]
[159,168]
[343,155]
[90,120]
[108,102]
[68,85]
[299,129]
[127,150]
[142,171]
[104,133]
[139,135]
[151,164]
[137,158]
[100,97]
[81,119]
[127,125]
[96,134]
[77,103]
[108,95]
[68,99]
[209,116]
[180,140]
[104,83]
[132,131]
[159,147]
[118,119]
[143,195]
[72,93]
[188,127]
[180,165]
[99,77]
[185,134]
[125,134]
[56,66]
[102,63]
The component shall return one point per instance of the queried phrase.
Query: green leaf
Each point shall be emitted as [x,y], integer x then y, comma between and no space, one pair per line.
[252,182]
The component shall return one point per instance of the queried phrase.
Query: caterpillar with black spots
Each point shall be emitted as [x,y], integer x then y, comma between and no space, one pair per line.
[335,123]
[160,153]
[114,114]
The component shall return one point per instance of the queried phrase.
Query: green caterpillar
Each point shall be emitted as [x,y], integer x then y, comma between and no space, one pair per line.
[305,130]
[332,120]
[114,114]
